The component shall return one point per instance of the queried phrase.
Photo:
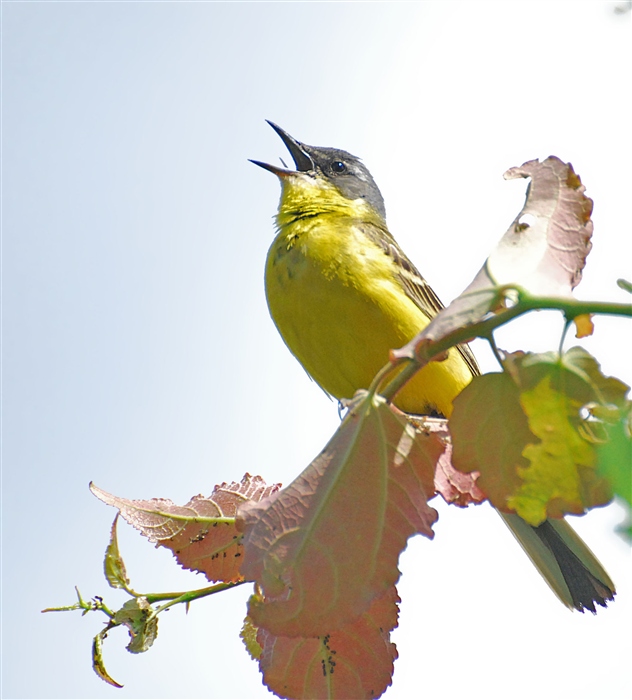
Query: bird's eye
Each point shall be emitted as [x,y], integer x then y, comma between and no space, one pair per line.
[338,167]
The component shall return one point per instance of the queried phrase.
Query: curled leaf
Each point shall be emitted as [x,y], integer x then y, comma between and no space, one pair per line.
[137,615]
[544,251]
[546,247]
[113,565]
[97,659]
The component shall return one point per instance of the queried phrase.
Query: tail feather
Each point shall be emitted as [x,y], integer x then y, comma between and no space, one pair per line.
[565,562]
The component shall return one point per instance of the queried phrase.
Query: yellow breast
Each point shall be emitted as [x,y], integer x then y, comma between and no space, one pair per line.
[337,302]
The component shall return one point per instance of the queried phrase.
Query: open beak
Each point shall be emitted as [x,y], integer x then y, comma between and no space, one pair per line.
[297,150]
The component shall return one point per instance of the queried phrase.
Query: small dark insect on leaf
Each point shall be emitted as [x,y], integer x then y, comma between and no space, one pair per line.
[200,537]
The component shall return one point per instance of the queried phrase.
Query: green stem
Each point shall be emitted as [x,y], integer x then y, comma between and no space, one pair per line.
[492,344]
[189,596]
[571,308]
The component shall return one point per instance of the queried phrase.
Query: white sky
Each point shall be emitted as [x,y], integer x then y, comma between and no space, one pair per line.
[138,351]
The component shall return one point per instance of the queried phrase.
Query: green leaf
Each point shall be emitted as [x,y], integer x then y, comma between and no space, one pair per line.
[615,458]
[113,564]
[97,659]
[248,636]
[561,464]
[137,615]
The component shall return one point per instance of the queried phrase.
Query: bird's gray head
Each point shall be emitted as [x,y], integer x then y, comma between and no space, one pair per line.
[347,172]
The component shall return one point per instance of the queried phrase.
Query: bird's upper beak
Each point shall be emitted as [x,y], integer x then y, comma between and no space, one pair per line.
[301,158]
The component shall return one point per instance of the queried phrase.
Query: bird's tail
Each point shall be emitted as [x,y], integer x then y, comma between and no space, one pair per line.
[565,562]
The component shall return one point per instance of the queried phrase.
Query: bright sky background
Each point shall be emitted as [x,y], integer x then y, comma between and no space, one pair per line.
[137,347]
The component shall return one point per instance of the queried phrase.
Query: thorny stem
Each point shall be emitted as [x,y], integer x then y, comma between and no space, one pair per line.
[95,604]
[189,596]
[173,598]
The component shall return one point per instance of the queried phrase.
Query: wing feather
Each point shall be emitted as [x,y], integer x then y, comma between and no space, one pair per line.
[415,286]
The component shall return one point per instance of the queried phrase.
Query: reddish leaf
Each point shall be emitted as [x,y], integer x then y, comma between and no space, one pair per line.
[544,251]
[355,661]
[325,546]
[202,533]
[454,486]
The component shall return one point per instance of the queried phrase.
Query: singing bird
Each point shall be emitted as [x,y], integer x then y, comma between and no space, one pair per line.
[342,293]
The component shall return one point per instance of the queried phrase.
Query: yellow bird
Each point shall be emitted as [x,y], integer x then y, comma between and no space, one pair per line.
[342,294]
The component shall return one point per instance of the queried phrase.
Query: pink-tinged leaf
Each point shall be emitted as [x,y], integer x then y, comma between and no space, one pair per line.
[544,251]
[454,486]
[202,533]
[355,661]
[325,546]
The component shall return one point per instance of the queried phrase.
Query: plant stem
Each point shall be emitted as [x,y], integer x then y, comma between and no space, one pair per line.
[189,596]
[425,350]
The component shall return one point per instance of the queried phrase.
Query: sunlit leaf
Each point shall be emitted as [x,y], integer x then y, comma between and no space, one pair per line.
[113,564]
[535,444]
[544,251]
[489,431]
[355,661]
[97,660]
[583,326]
[614,457]
[137,616]
[325,546]
[546,247]
[561,476]
[248,636]
[202,533]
